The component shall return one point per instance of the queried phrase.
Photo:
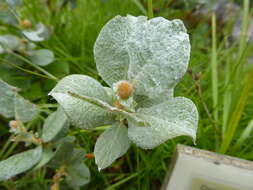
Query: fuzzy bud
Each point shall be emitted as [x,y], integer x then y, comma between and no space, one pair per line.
[13,124]
[124,89]
[89,156]
[25,24]
[14,127]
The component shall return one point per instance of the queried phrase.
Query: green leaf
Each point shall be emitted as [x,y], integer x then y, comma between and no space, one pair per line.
[175,117]
[24,109]
[83,114]
[35,91]
[112,144]
[13,59]
[78,175]
[59,68]
[15,77]
[1,49]
[9,42]
[63,153]
[12,104]
[39,34]
[62,133]
[151,54]
[19,163]
[7,99]
[47,155]
[54,124]
[67,139]
[42,57]
[14,3]
[7,16]
[78,155]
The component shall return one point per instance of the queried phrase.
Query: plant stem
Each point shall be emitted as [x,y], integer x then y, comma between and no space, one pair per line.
[6,145]
[100,104]
[106,106]
[150,9]
[102,128]
[35,66]
[26,70]
[94,101]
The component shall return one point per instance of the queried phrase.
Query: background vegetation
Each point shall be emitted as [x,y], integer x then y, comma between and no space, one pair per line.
[219,81]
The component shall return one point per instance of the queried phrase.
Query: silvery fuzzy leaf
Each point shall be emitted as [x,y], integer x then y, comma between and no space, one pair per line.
[145,101]
[62,154]
[110,50]
[54,124]
[42,57]
[77,155]
[110,145]
[31,46]
[25,110]
[175,117]
[9,41]
[47,155]
[159,61]
[78,175]
[39,34]
[82,113]
[7,99]
[63,132]
[152,54]
[110,93]
[67,139]
[19,163]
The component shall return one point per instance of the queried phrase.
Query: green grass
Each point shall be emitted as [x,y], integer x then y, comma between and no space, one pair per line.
[219,81]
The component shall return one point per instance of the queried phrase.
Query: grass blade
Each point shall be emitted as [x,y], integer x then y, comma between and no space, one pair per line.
[214,65]
[237,113]
[245,134]
[140,7]
[150,9]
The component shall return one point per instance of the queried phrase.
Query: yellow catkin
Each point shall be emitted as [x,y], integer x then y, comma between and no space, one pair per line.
[124,89]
